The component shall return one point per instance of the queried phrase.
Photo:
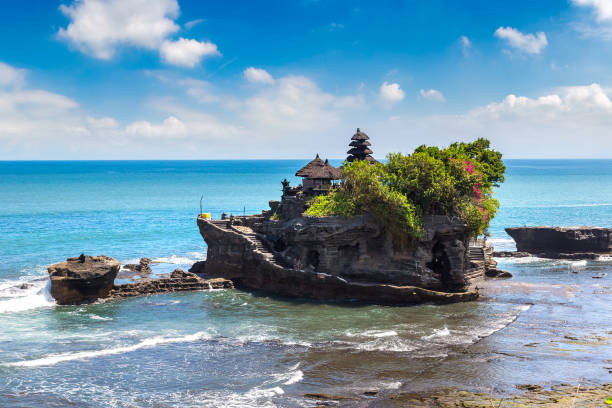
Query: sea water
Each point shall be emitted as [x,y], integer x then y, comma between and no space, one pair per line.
[231,348]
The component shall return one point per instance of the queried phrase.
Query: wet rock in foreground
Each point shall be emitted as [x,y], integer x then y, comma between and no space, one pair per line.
[564,395]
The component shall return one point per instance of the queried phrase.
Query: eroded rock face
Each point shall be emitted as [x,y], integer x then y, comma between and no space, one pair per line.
[562,240]
[83,279]
[334,258]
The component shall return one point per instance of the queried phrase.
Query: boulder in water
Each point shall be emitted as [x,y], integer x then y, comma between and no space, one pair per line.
[497,273]
[83,279]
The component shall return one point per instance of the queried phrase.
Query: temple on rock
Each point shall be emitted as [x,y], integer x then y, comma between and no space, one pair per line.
[285,252]
[360,148]
[318,176]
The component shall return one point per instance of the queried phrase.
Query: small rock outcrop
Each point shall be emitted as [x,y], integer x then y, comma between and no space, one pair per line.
[143,267]
[510,254]
[497,273]
[178,281]
[198,268]
[563,242]
[83,279]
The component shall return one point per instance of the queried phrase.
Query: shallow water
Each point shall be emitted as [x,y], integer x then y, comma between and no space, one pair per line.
[551,323]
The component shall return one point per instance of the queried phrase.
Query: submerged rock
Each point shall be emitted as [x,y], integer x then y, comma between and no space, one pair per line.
[83,279]
[581,242]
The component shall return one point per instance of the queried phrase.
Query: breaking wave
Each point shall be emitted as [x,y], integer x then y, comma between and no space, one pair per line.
[20,296]
[83,355]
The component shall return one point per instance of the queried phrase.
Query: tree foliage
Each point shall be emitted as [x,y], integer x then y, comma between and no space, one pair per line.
[455,181]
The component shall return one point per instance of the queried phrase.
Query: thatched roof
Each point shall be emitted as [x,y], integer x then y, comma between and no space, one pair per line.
[356,143]
[359,152]
[359,135]
[319,169]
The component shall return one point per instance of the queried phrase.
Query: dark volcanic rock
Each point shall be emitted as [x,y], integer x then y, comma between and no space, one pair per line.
[82,280]
[143,267]
[497,273]
[510,254]
[178,281]
[198,267]
[334,258]
[568,240]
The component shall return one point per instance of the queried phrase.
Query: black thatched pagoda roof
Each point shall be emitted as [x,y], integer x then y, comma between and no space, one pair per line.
[359,135]
[356,143]
[319,169]
[360,148]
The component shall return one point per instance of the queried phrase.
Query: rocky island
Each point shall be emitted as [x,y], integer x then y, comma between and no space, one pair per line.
[563,242]
[390,246]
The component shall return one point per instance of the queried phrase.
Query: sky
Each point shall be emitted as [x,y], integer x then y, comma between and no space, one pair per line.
[178,79]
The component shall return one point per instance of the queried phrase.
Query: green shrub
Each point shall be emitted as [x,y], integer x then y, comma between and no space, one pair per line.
[456,181]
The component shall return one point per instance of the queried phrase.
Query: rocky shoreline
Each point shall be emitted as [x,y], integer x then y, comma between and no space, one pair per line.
[87,279]
[527,395]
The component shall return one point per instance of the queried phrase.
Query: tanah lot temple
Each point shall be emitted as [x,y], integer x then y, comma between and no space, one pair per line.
[284,252]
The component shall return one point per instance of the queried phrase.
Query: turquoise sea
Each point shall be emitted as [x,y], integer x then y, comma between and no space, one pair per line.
[236,349]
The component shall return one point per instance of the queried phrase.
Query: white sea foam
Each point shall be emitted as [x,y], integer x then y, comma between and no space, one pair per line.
[296,376]
[604,258]
[96,317]
[35,296]
[372,333]
[83,355]
[437,333]
[178,260]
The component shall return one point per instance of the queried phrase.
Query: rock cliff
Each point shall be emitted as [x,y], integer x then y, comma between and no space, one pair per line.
[561,241]
[333,258]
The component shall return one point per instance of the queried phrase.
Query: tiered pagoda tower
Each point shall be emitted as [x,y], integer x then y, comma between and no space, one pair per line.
[360,148]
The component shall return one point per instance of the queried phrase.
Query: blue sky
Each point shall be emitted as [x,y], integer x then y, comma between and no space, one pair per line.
[134,79]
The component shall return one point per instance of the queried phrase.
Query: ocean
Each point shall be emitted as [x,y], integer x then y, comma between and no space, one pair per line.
[549,324]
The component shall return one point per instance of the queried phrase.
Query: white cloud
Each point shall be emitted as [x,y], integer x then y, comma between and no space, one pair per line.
[186,53]
[258,75]
[466,45]
[571,122]
[99,27]
[295,103]
[432,95]
[528,43]
[602,8]
[171,127]
[190,24]
[10,76]
[391,93]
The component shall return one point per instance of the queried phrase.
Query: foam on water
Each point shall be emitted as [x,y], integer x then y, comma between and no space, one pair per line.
[437,333]
[439,338]
[83,355]
[372,333]
[96,317]
[179,260]
[36,295]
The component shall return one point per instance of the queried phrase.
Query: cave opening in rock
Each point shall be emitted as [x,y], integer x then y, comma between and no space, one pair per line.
[280,245]
[312,259]
[440,264]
